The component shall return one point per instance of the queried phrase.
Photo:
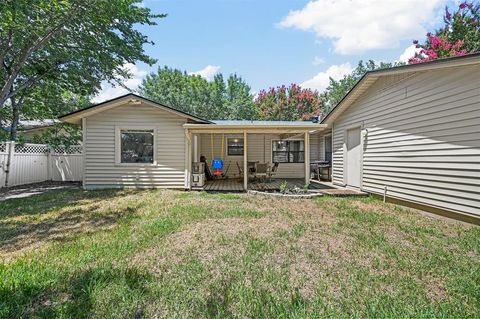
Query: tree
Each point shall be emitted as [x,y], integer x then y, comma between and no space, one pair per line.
[288,103]
[239,100]
[459,35]
[74,44]
[218,99]
[338,89]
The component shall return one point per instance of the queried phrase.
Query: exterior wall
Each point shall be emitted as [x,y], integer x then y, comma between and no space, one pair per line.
[421,138]
[101,171]
[259,149]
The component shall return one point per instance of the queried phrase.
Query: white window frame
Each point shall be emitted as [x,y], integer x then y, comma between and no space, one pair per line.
[234,138]
[287,139]
[118,146]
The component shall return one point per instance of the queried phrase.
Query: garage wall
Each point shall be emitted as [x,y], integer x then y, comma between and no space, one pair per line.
[421,138]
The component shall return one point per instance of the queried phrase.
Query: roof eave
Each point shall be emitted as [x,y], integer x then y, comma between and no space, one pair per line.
[76,116]
[363,85]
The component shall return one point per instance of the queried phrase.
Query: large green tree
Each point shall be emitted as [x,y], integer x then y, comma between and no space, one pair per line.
[73,44]
[337,89]
[216,99]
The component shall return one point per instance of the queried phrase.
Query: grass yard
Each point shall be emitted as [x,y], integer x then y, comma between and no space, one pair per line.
[153,253]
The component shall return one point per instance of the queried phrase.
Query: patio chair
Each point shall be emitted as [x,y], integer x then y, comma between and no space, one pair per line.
[251,169]
[272,171]
[240,170]
[261,171]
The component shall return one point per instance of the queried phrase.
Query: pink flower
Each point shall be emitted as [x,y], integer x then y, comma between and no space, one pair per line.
[448,15]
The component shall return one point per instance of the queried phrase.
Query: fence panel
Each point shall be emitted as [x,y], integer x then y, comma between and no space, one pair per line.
[29,164]
[67,164]
[32,163]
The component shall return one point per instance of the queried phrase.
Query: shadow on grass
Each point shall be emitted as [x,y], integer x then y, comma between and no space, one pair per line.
[57,216]
[105,292]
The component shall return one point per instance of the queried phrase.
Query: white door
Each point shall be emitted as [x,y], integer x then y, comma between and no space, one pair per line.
[353,157]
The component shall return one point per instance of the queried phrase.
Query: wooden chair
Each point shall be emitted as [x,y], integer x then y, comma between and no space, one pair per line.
[261,171]
[272,171]
[240,170]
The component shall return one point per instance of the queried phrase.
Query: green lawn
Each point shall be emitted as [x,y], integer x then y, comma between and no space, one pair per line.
[135,254]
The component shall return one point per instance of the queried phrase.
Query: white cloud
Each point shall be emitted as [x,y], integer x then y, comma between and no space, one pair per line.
[207,72]
[109,92]
[317,60]
[355,26]
[408,53]
[321,81]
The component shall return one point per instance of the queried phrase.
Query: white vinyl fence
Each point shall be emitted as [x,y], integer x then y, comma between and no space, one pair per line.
[32,163]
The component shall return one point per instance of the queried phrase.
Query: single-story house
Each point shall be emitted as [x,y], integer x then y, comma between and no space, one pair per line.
[410,133]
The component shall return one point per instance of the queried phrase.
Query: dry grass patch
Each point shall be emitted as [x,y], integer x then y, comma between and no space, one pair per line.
[164,254]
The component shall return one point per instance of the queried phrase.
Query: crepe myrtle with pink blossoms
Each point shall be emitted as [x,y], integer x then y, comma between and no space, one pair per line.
[288,103]
[459,36]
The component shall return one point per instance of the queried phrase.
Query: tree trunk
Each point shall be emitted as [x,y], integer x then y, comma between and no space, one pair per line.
[15,118]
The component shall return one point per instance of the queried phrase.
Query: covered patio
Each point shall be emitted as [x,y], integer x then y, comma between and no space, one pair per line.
[236,185]
[242,145]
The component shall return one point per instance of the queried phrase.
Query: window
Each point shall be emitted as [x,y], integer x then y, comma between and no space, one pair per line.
[235,146]
[328,148]
[136,146]
[288,152]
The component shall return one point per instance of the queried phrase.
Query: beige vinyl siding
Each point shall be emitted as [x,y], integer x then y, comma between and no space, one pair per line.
[317,150]
[421,138]
[259,149]
[100,167]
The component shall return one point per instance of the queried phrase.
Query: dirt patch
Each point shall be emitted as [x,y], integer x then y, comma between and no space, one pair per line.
[295,229]
[209,239]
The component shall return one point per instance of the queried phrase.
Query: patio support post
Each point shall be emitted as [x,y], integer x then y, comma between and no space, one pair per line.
[306,144]
[188,159]
[245,164]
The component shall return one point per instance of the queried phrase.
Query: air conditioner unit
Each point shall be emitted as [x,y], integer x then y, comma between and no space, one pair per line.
[198,167]
[198,180]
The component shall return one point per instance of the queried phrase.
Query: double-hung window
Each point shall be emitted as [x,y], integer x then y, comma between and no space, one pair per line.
[136,146]
[286,151]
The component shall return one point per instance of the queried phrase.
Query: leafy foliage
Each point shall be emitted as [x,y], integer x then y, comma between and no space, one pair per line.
[460,35]
[338,89]
[218,99]
[69,45]
[62,134]
[288,103]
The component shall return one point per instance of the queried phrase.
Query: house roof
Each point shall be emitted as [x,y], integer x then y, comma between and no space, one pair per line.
[26,125]
[369,78]
[76,116]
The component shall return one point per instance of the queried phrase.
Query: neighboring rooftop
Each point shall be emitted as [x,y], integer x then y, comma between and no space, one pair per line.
[25,125]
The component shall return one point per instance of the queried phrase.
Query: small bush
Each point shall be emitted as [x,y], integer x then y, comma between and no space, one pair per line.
[284,187]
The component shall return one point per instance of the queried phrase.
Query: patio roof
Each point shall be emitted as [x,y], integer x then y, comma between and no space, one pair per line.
[256,127]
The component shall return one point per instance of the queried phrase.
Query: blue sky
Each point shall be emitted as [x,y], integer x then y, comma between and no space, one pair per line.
[270,43]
